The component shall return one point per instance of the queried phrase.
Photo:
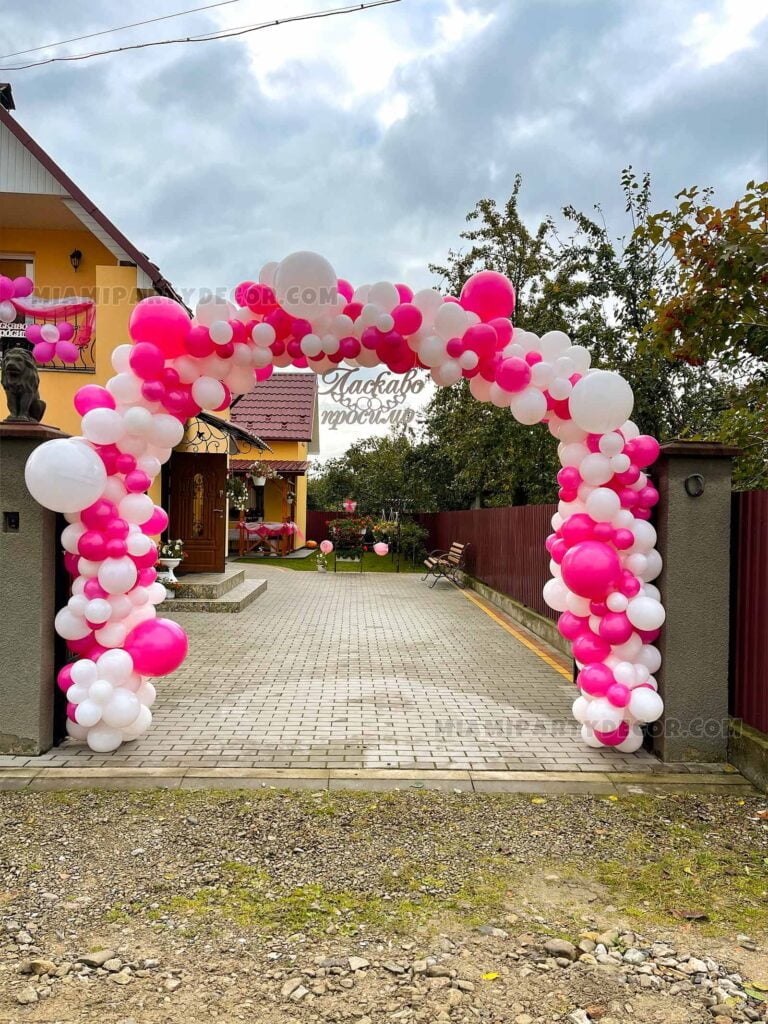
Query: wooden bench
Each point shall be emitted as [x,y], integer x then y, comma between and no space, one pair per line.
[446,564]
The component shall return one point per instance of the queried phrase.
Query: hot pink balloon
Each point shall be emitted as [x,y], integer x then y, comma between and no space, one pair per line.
[157,522]
[326,546]
[595,679]
[147,361]
[591,569]
[99,514]
[577,528]
[64,678]
[157,646]
[503,328]
[513,374]
[615,737]
[92,546]
[407,317]
[616,628]
[137,481]
[67,352]
[489,294]
[93,396]
[570,626]
[643,450]
[589,648]
[405,293]
[199,342]
[23,286]
[619,695]
[345,289]
[163,322]
[43,351]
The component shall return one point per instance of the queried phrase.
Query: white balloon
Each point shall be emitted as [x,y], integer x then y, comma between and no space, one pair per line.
[572,453]
[114,490]
[267,273]
[75,731]
[111,635]
[136,508]
[432,352]
[555,594]
[77,693]
[580,357]
[103,740]
[148,464]
[305,284]
[117,575]
[385,295]
[262,357]
[577,605]
[480,388]
[120,358]
[155,593]
[616,602]
[211,308]
[579,709]
[137,421]
[188,368]
[450,321]
[601,401]
[208,392]
[146,694]
[101,691]
[554,344]
[645,705]
[528,406]
[645,536]
[604,716]
[139,726]
[629,651]
[446,373]
[650,656]
[103,426]
[624,673]
[98,610]
[645,613]
[602,504]
[166,431]
[653,566]
[138,544]
[542,374]
[88,713]
[221,332]
[70,535]
[263,335]
[87,568]
[596,469]
[633,741]
[121,605]
[428,302]
[65,476]
[122,710]
[83,672]
[611,444]
[70,626]
[560,388]
[588,736]
[115,666]
[499,397]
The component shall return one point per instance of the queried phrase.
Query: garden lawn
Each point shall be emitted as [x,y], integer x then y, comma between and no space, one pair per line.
[371,563]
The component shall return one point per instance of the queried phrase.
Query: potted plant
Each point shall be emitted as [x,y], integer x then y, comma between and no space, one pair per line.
[321,562]
[261,471]
[171,586]
[237,492]
[170,556]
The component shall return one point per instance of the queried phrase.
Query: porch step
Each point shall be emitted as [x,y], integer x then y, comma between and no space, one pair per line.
[234,600]
[209,585]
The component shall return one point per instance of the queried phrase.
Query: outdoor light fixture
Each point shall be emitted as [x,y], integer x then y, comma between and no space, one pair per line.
[75,258]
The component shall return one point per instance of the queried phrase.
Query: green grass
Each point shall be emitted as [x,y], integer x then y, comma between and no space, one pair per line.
[371,563]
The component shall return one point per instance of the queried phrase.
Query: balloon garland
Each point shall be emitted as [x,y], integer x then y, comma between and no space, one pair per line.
[602,548]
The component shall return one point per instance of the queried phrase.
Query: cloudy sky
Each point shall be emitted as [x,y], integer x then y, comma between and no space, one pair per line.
[369,136]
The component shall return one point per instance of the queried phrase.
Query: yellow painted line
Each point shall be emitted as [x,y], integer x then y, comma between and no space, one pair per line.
[538,651]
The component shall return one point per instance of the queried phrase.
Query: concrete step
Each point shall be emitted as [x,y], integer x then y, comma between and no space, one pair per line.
[234,600]
[208,586]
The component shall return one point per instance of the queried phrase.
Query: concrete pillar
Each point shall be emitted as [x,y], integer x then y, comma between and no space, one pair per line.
[28,552]
[694,527]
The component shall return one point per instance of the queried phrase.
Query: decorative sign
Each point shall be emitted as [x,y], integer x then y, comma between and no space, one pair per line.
[381,400]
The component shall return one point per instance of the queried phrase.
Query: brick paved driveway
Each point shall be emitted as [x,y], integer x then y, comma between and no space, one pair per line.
[349,671]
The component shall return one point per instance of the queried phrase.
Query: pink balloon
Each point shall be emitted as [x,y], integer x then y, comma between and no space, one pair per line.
[146,577]
[629,585]
[64,678]
[32,333]
[99,514]
[616,628]
[117,529]
[157,646]
[153,390]
[157,522]
[589,648]
[349,347]
[147,361]
[146,561]
[643,450]
[162,322]
[92,546]
[489,294]
[455,348]
[615,737]
[93,396]
[595,679]
[407,317]
[481,338]
[591,569]
[264,373]
[94,589]
[326,546]
[619,695]
[381,548]
[513,374]
[569,477]
[44,351]
[647,496]
[577,528]
[345,289]
[570,626]
[405,293]
[23,286]
[199,342]
[137,481]
[71,708]
[241,292]
[623,539]
[116,548]
[6,288]
[67,352]
[503,328]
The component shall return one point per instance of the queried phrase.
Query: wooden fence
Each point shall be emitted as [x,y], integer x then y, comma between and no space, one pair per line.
[506,545]
[749,609]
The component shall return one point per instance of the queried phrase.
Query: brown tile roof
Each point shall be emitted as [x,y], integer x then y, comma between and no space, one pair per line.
[298,466]
[279,409]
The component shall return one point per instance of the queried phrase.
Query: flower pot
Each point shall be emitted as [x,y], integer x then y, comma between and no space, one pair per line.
[170,595]
[322,568]
[170,564]
[259,481]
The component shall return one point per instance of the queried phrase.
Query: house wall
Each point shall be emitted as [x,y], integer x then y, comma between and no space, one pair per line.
[273,491]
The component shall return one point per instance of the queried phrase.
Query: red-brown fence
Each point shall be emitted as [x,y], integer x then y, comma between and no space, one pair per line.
[749,605]
[506,545]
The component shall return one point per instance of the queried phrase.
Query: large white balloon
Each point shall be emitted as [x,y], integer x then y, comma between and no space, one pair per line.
[117,575]
[102,739]
[601,401]
[528,406]
[103,426]
[645,613]
[122,710]
[305,284]
[64,475]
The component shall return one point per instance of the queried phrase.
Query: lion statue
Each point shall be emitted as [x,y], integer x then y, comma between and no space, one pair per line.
[21,381]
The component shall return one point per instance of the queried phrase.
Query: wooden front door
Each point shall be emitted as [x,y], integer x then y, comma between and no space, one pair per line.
[198,501]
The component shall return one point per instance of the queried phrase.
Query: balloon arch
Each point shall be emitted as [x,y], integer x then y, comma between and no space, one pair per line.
[300,314]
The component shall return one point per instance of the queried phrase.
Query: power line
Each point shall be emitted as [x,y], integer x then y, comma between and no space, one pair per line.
[121,28]
[209,37]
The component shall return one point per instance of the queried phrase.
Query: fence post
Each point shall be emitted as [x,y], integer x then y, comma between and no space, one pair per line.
[694,527]
[28,552]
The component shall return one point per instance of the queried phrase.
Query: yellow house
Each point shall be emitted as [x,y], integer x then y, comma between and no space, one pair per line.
[53,233]
[282,410]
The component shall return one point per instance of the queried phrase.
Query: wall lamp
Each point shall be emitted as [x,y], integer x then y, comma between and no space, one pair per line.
[75,258]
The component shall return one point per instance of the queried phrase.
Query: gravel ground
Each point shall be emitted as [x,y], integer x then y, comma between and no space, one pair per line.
[270,906]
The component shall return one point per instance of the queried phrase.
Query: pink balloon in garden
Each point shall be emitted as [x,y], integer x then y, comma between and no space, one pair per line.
[326,546]
[92,546]
[137,481]
[503,328]
[99,514]
[577,528]
[643,450]
[408,318]
[489,294]
[44,351]
[380,548]
[93,396]
[481,338]
[67,352]
[405,293]
[147,361]
[591,569]
[163,322]
[616,628]
[157,646]
[619,695]
[570,626]
[66,331]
